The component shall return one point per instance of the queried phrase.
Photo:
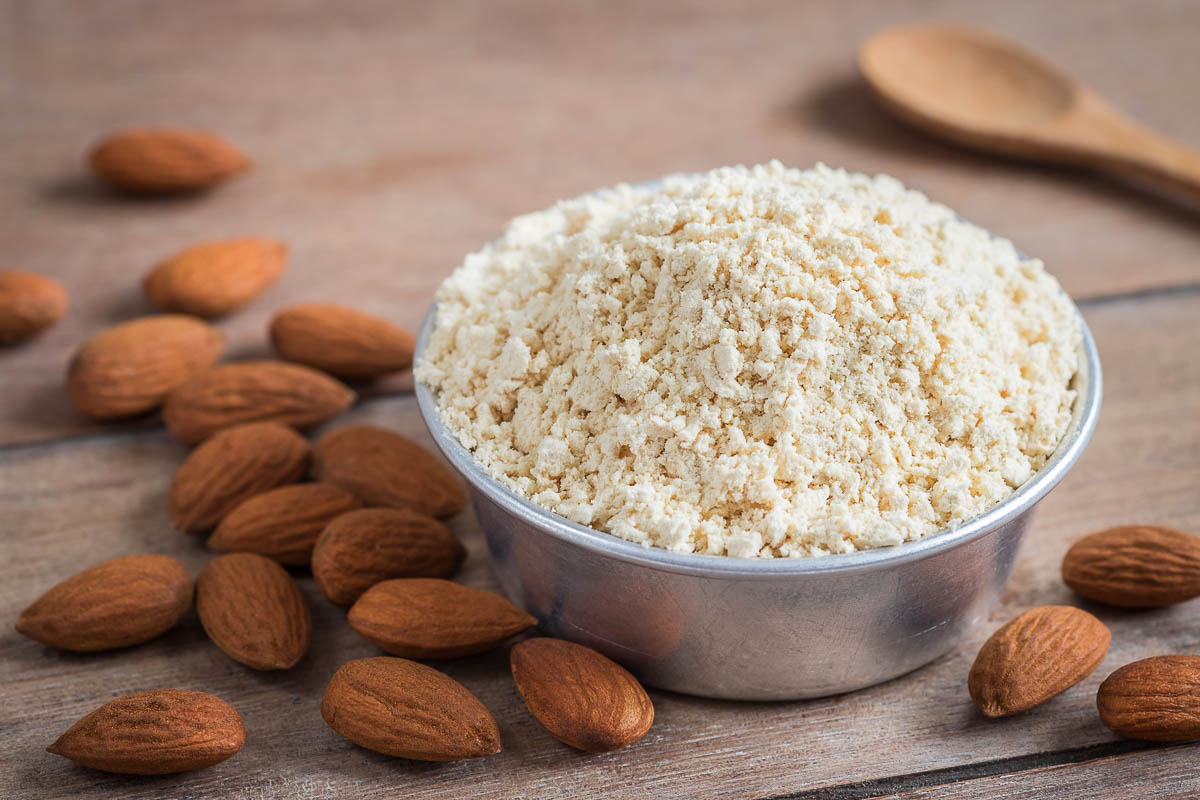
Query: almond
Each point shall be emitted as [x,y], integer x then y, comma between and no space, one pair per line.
[165,160]
[434,618]
[155,733]
[232,466]
[253,610]
[214,278]
[29,304]
[583,698]
[1135,566]
[1038,655]
[402,708]
[1156,699]
[118,603]
[253,391]
[361,548]
[341,341]
[282,523]
[130,368]
[384,468]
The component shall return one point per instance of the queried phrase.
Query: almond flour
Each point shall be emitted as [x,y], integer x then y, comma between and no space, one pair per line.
[755,362]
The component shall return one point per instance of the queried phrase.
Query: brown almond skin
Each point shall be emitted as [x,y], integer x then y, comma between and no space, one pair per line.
[1135,566]
[231,467]
[158,732]
[434,618]
[344,342]
[401,708]
[282,523]
[1156,699]
[165,160]
[253,391]
[384,468]
[583,698]
[130,368]
[213,279]
[253,610]
[29,304]
[361,548]
[1036,656]
[117,603]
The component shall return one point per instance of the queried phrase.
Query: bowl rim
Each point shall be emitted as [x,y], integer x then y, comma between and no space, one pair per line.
[1088,383]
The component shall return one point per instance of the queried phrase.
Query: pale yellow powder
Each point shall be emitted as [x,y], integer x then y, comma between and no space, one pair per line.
[755,362]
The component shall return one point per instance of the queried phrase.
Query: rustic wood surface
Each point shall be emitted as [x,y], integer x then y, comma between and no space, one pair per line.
[392,138]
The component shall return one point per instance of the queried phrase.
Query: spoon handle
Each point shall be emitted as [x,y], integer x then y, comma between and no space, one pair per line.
[1173,170]
[1120,146]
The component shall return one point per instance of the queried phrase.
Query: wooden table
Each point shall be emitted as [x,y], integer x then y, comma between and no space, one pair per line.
[392,138]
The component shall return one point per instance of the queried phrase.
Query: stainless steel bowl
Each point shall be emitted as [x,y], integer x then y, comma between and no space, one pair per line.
[759,629]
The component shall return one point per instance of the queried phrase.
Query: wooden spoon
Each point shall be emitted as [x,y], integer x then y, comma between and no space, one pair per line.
[990,93]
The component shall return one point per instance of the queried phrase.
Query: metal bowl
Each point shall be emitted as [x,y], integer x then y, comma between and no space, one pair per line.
[759,629]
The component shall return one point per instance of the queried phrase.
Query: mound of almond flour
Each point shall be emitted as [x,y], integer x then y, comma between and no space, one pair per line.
[755,362]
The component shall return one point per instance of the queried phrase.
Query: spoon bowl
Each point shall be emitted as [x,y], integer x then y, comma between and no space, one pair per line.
[973,80]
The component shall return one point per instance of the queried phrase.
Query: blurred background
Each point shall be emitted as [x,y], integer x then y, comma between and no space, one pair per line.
[391,138]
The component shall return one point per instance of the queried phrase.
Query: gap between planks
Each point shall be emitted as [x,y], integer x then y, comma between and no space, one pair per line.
[882,787]
[1154,293]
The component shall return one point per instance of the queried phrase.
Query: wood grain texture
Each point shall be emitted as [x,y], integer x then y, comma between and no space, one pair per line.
[389,140]
[67,505]
[392,138]
[1166,774]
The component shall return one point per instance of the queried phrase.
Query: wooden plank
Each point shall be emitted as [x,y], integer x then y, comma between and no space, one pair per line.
[64,506]
[1164,774]
[392,139]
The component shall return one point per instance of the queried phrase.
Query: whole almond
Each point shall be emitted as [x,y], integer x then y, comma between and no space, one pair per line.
[232,466]
[118,603]
[583,698]
[29,304]
[165,160]
[253,391]
[1156,699]
[401,708]
[214,278]
[155,733]
[282,523]
[253,610]
[341,341]
[434,618]
[384,468]
[130,368]
[361,548]
[1038,655]
[1135,566]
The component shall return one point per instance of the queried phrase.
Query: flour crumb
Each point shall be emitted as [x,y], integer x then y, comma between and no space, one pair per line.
[755,362]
